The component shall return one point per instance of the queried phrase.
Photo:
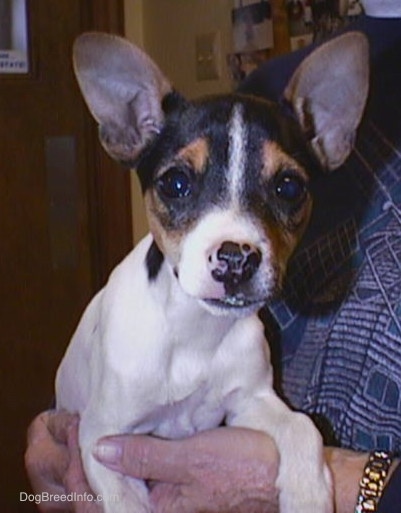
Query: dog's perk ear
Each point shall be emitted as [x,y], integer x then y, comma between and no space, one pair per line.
[328,92]
[123,89]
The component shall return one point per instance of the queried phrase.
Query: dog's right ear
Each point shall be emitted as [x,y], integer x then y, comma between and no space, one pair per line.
[123,89]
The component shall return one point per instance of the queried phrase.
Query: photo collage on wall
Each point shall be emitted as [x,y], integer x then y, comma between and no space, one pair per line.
[308,21]
[252,28]
[314,20]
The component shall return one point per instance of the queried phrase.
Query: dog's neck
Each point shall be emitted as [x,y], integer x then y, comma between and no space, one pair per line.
[187,314]
[382,8]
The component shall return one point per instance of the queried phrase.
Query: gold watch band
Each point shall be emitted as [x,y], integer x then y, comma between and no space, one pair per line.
[372,482]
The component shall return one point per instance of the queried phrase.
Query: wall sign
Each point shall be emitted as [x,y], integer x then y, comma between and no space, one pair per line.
[13,37]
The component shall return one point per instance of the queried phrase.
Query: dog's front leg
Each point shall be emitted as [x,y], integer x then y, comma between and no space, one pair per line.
[115,492]
[304,480]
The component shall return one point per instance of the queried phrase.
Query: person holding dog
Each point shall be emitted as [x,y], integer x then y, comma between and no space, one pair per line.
[338,326]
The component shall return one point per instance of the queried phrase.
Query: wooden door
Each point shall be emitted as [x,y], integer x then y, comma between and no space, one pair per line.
[64,220]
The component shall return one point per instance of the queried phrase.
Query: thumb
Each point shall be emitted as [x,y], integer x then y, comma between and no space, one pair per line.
[144,457]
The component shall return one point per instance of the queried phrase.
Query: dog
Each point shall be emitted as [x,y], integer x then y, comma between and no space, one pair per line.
[173,343]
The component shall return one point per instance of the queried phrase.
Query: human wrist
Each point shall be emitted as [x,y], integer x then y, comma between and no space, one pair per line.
[347,468]
[373,481]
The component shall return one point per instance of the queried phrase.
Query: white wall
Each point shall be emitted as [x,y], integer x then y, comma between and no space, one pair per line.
[170,27]
[133,13]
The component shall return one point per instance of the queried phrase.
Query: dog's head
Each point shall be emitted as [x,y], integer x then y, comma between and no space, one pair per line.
[225,179]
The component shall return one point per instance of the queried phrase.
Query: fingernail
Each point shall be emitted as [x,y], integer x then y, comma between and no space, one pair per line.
[108,451]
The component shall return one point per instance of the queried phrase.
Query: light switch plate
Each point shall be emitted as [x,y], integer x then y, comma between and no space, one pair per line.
[207,56]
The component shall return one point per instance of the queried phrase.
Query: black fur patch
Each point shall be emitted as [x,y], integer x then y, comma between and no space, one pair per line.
[172,102]
[209,119]
[154,260]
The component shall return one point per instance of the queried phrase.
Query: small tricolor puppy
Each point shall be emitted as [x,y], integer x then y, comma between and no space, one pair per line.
[173,344]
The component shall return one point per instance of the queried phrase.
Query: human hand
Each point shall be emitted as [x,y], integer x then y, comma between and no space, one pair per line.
[53,464]
[228,470]
[225,470]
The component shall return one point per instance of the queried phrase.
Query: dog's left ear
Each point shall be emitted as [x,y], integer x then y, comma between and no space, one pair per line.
[328,92]
[123,89]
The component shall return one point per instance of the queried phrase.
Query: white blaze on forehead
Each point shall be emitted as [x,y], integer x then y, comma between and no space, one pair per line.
[236,154]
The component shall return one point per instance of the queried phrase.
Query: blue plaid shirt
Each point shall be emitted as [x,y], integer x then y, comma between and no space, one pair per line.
[339,317]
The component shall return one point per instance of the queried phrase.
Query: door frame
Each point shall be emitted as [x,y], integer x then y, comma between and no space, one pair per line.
[109,185]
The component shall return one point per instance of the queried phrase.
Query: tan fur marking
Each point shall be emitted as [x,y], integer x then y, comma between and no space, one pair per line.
[169,242]
[275,159]
[195,154]
[284,240]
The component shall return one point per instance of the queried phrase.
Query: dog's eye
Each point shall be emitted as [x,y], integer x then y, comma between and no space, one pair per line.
[175,183]
[290,187]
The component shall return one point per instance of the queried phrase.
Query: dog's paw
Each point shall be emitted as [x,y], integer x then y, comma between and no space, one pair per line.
[309,496]
[313,504]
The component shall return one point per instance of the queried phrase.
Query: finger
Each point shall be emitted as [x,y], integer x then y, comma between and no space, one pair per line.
[46,467]
[59,423]
[75,479]
[144,457]
[38,430]
[45,459]
[51,423]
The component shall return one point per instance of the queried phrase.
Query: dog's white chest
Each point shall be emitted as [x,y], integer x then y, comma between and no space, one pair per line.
[173,387]
[155,351]
[177,419]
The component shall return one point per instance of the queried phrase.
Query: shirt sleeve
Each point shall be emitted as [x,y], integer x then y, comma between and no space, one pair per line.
[270,78]
[391,498]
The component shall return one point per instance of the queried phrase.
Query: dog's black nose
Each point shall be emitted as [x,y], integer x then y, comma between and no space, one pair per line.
[235,263]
